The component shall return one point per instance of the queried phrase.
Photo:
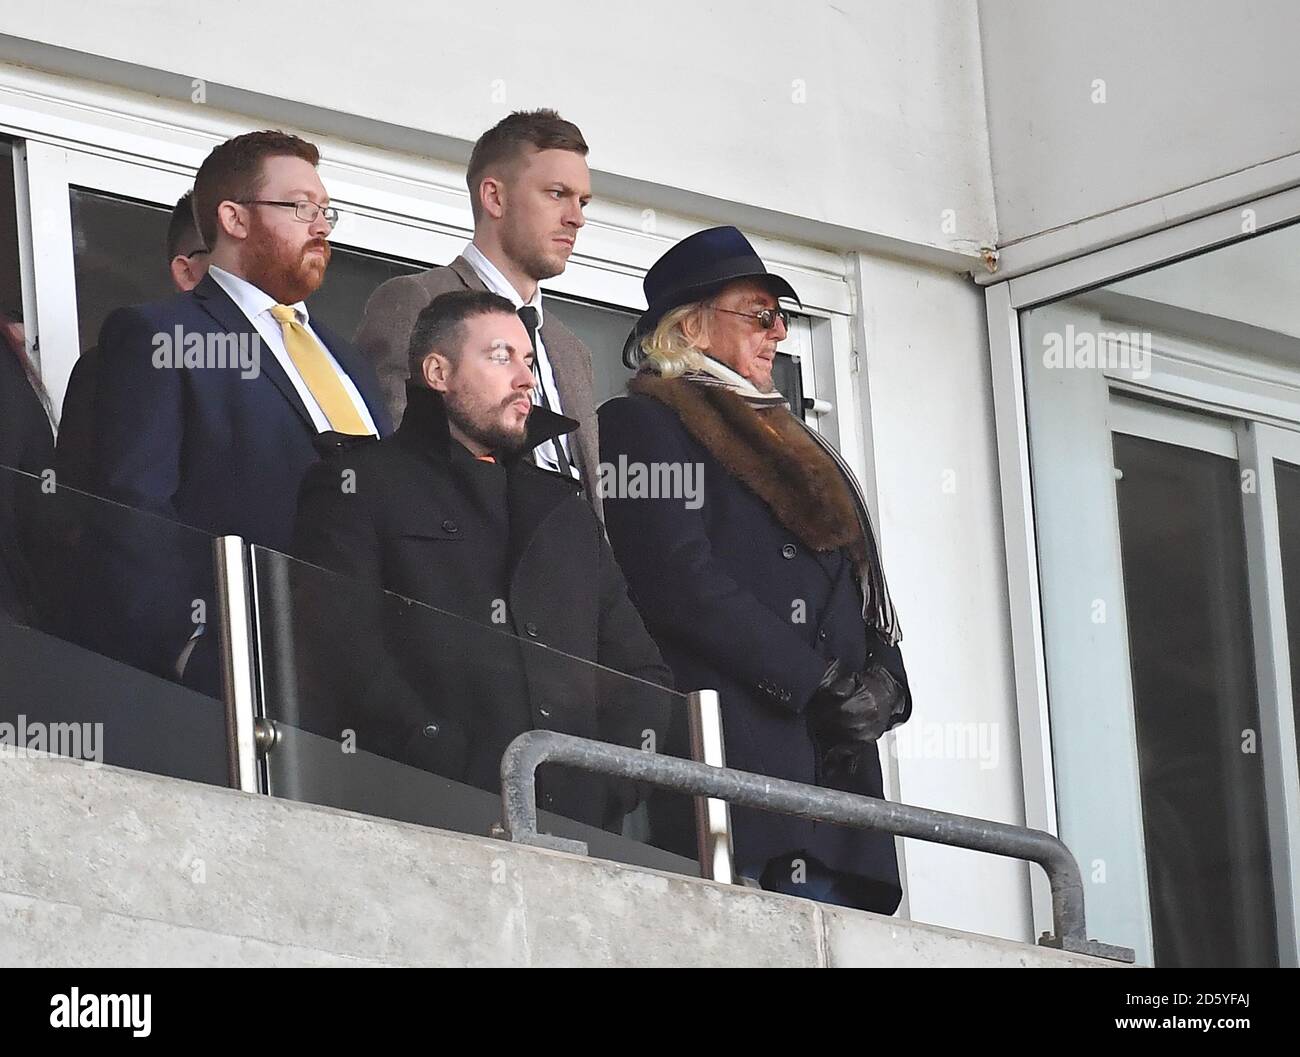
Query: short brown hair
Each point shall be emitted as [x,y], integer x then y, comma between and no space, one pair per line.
[503,145]
[233,171]
[440,326]
[181,230]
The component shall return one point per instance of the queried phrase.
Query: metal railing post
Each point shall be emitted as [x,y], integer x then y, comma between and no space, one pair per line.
[238,676]
[712,816]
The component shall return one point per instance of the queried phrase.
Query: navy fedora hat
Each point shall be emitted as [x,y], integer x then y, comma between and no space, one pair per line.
[697,267]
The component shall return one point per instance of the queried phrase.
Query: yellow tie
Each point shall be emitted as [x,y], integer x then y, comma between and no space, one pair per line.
[321,378]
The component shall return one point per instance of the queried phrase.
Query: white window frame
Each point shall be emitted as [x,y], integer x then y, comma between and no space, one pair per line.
[119,142]
[1131,247]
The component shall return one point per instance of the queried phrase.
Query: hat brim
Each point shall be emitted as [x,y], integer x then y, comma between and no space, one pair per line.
[689,295]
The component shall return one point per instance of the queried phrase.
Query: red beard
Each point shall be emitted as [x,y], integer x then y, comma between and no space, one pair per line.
[288,275]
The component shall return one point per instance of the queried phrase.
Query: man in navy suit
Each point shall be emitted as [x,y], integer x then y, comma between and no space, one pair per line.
[74,456]
[212,404]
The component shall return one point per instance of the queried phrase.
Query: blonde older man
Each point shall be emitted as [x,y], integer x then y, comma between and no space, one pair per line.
[766,585]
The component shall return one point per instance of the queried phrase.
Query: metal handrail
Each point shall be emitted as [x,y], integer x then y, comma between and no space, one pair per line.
[531,749]
[712,816]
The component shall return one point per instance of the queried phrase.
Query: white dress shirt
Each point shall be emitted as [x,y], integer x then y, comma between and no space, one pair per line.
[544,454]
[256,304]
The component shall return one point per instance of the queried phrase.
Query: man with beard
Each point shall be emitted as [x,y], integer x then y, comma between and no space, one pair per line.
[453,512]
[528,185]
[212,404]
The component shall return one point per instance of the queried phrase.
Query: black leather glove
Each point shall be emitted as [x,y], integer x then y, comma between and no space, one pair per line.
[850,710]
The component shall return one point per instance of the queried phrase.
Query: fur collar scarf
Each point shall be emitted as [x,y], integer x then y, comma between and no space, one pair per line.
[770,452]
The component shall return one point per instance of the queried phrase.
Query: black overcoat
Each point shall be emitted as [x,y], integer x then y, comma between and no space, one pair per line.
[527,601]
[738,603]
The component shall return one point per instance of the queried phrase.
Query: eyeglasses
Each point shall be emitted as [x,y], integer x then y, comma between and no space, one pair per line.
[191,256]
[307,212]
[766,318]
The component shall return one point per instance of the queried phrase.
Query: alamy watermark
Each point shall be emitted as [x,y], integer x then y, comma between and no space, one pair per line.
[75,1010]
[195,349]
[82,741]
[656,480]
[948,741]
[1118,350]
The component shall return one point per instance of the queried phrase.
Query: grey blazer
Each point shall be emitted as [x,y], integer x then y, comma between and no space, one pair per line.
[385,335]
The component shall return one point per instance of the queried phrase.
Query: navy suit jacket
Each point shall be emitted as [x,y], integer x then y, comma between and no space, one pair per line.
[206,447]
[716,588]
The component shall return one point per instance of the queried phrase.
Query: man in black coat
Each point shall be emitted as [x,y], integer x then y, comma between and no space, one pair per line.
[452,512]
[761,580]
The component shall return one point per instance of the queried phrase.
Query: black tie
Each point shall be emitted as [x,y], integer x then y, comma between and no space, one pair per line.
[528,316]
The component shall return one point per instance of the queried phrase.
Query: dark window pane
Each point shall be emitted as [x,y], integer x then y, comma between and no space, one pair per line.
[119,256]
[1288,518]
[11,297]
[789,382]
[120,249]
[603,330]
[350,279]
[1203,804]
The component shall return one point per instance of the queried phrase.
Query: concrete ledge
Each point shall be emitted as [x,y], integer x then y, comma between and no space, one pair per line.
[103,867]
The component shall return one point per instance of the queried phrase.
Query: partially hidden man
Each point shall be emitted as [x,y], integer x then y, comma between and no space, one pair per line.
[187,262]
[452,511]
[528,186]
[767,585]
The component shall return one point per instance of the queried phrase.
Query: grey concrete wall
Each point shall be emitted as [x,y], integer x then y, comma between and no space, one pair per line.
[104,867]
[863,117]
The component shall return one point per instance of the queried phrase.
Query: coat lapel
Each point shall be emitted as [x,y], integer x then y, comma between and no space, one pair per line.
[532,494]
[467,275]
[571,365]
[217,303]
[770,453]
[566,354]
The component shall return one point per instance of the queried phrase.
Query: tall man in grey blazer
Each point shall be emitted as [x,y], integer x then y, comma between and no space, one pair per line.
[528,183]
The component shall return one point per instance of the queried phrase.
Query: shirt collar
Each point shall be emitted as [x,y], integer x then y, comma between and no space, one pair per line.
[252,300]
[498,283]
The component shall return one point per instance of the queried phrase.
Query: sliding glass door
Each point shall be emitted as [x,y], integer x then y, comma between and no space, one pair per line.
[1196,707]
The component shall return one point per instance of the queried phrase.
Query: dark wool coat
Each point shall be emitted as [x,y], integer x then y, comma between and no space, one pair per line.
[526,594]
[751,594]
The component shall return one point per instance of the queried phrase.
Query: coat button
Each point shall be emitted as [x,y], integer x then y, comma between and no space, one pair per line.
[530,629]
[821,634]
[545,713]
[788,551]
[430,730]
[450,526]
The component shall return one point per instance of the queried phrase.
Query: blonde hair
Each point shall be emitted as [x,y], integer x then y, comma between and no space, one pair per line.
[667,350]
